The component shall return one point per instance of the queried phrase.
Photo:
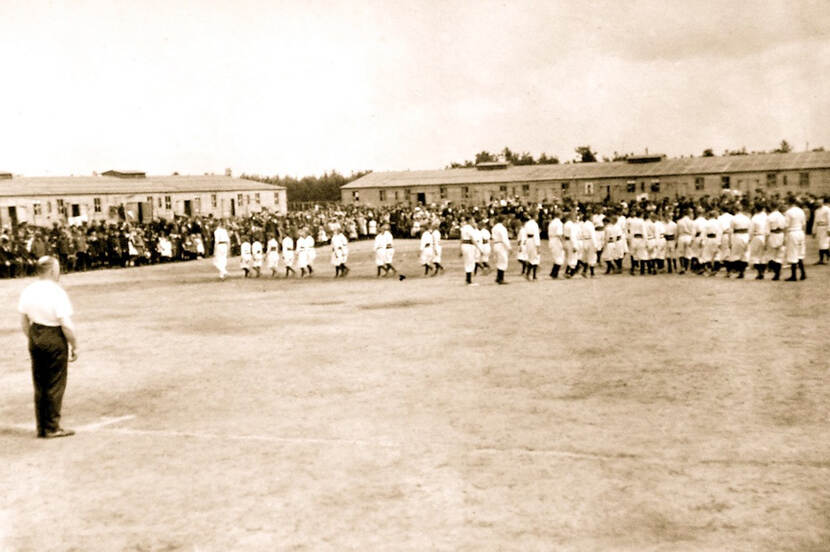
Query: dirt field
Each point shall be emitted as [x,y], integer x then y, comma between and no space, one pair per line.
[650,413]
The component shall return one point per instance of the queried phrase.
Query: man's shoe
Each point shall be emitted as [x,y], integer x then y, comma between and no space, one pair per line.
[790,279]
[60,432]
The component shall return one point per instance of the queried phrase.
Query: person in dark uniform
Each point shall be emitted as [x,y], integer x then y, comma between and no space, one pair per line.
[46,320]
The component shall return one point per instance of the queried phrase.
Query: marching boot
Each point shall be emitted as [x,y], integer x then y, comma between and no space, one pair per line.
[792,278]
[642,267]
[619,264]
[555,271]
[475,269]
[524,267]
[668,265]
[499,276]
[337,271]
[392,268]
[741,268]
[633,264]
[469,277]
[776,270]
[551,271]
[608,267]
[534,271]
[379,269]
[426,270]
[592,271]
[801,269]
[760,269]
[302,273]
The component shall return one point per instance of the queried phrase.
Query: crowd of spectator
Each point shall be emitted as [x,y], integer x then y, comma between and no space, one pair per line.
[129,243]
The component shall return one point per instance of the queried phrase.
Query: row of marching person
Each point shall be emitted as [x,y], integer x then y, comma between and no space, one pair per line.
[766,234]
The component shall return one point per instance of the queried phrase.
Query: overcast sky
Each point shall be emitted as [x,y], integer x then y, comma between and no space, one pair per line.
[305,87]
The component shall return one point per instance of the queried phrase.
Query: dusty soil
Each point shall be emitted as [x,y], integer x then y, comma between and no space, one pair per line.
[616,413]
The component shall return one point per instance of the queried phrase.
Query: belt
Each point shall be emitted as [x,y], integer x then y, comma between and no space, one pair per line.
[697,234]
[618,238]
[600,228]
[466,242]
[567,239]
[638,235]
[669,237]
[530,235]
[740,231]
[287,249]
[776,231]
[221,242]
[388,246]
[711,235]
[485,242]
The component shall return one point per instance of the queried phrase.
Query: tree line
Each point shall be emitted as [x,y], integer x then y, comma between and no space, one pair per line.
[310,188]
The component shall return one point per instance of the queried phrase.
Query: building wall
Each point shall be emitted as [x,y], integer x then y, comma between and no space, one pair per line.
[657,187]
[45,210]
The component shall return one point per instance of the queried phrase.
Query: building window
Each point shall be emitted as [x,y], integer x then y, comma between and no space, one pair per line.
[48,207]
[277,198]
[566,186]
[213,201]
[503,190]
[256,198]
[443,192]
[804,180]
[725,182]
[61,208]
[150,200]
[407,195]
[525,189]
[630,186]
[655,186]
[159,202]
[197,205]
[382,195]
[239,199]
[589,188]
[36,209]
[465,192]
[783,179]
[772,180]
[168,204]
[96,204]
[642,186]
[698,183]
[355,196]
[396,195]
[248,199]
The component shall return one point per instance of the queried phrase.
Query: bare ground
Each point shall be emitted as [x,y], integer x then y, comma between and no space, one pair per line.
[618,413]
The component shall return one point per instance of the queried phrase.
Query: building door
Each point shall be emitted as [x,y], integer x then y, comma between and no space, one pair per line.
[188,210]
[76,210]
[608,193]
[233,207]
[13,216]
[422,198]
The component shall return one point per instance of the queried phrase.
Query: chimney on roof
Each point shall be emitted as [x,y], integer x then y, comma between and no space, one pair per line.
[5,176]
[228,172]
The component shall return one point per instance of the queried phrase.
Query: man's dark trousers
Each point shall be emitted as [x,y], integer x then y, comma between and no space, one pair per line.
[47,347]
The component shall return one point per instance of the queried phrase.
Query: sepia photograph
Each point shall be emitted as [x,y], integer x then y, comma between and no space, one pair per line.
[430,275]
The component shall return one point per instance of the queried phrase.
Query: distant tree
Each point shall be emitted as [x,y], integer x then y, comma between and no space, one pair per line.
[708,153]
[620,156]
[545,160]
[741,151]
[524,159]
[508,155]
[485,157]
[586,155]
[820,148]
[784,147]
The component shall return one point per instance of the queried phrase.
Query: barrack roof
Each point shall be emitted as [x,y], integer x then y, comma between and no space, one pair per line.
[767,162]
[105,185]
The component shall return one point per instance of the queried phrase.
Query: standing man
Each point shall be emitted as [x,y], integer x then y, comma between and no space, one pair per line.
[427,252]
[775,239]
[757,239]
[468,249]
[501,246]
[220,250]
[46,320]
[686,235]
[739,244]
[436,247]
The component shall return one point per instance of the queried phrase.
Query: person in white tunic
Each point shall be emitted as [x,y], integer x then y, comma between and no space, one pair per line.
[711,242]
[685,236]
[757,239]
[339,253]
[436,246]
[821,230]
[533,244]
[795,238]
[246,259]
[589,250]
[477,242]
[636,229]
[650,233]
[555,243]
[725,220]
[257,256]
[272,255]
[739,242]
[501,247]
[776,223]
[221,245]
[389,250]
[427,251]
[670,236]
[486,248]
[380,254]
[288,255]
[468,249]
[572,243]
[610,233]
[696,263]
[302,253]
[310,251]
[521,250]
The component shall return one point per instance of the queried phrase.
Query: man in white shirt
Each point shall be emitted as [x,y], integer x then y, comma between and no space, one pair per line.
[389,250]
[339,252]
[501,246]
[739,244]
[288,253]
[257,255]
[468,249]
[437,249]
[221,246]
[427,252]
[821,229]
[795,242]
[639,254]
[685,237]
[246,258]
[46,320]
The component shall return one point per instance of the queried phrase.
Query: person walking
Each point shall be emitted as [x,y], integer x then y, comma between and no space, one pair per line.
[46,320]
